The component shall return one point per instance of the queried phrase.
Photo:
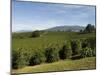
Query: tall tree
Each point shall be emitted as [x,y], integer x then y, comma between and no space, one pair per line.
[89,28]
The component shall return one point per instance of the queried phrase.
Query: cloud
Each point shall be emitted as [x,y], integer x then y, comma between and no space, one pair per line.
[34,16]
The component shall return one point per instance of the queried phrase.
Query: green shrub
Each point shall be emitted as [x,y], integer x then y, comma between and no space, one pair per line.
[94,52]
[89,42]
[85,43]
[65,52]
[19,58]
[14,59]
[87,52]
[35,34]
[51,54]
[76,47]
[37,57]
[92,42]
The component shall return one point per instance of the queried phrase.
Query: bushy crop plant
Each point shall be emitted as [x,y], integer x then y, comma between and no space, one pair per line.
[65,52]
[19,58]
[14,59]
[87,52]
[37,57]
[51,55]
[91,42]
[84,43]
[76,47]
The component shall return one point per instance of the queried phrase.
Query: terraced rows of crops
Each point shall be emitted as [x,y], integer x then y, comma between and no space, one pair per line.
[53,47]
[50,38]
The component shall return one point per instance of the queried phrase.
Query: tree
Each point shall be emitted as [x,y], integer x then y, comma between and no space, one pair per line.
[89,28]
[35,34]
[81,31]
[65,52]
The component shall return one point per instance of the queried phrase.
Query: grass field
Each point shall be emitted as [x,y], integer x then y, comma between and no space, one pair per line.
[81,64]
[54,38]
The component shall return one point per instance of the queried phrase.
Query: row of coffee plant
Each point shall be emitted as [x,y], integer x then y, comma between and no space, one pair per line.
[73,49]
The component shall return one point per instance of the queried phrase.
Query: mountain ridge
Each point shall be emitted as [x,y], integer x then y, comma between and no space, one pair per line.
[66,28]
[74,28]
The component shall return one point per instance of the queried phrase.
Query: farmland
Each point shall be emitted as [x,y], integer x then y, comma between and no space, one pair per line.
[46,39]
[23,42]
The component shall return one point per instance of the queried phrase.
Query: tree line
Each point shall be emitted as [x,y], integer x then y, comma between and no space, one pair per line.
[89,29]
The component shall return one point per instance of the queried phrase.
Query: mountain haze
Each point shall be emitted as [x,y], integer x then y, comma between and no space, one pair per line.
[59,28]
[66,28]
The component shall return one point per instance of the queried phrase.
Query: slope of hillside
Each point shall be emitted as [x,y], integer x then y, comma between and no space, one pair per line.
[66,28]
[45,40]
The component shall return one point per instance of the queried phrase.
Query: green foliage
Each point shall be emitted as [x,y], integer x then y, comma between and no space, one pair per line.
[37,58]
[76,47]
[90,42]
[46,48]
[14,59]
[65,52]
[22,35]
[47,38]
[90,28]
[51,54]
[94,52]
[35,34]
[19,59]
[87,52]
[85,43]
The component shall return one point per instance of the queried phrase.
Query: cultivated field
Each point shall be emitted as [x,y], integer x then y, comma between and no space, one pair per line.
[22,40]
[51,39]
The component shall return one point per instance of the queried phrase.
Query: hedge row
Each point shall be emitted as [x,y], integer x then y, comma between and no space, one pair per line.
[71,50]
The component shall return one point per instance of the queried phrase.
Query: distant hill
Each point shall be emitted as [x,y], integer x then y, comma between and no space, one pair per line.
[21,31]
[59,28]
[66,28]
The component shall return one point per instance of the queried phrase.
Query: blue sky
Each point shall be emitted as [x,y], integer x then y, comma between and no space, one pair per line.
[38,16]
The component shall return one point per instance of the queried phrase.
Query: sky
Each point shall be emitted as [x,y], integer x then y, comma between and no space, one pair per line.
[39,16]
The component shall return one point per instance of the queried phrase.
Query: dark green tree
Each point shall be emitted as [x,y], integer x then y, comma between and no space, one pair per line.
[35,34]
[89,28]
